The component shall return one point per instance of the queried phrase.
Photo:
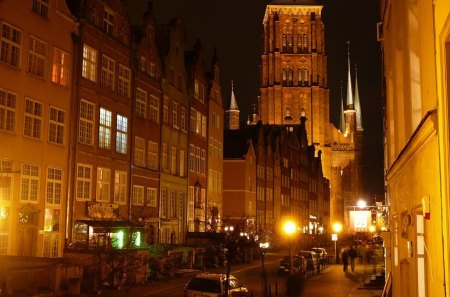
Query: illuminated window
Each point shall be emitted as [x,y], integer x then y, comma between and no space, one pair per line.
[29,183]
[84,181]
[7,111]
[198,123]
[124,83]
[183,119]
[89,66]
[108,21]
[60,68]
[33,118]
[104,128]
[182,160]
[143,64]
[152,70]
[284,42]
[121,134]
[284,75]
[5,181]
[299,43]
[40,7]
[204,122]
[139,151]
[138,195]
[175,115]
[151,197]
[86,122]
[153,155]
[193,119]
[52,219]
[120,187]
[141,103]
[196,88]
[305,42]
[103,184]
[11,39]
[54,186]
[154,109]
[180,212]
[173,204]
[51,245]
[108,72]
[56,125]
[192,157]
[197,159]
[202,93]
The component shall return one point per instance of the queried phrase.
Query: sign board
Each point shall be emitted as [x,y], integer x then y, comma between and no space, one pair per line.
[334,237]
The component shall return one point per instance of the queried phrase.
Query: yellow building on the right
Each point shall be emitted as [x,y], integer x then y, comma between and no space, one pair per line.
[415,39]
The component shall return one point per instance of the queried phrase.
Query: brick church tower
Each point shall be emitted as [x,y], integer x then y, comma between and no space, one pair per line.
[294,79]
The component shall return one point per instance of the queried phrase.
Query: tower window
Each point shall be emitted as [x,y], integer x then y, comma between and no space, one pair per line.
[290,43]
[284,42]
[290,77]
[305,43]
[284,76]
[287,114]
[299,74]
[299,43]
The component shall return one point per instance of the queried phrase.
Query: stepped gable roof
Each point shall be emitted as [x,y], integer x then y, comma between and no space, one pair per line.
[163,38]
[294,2]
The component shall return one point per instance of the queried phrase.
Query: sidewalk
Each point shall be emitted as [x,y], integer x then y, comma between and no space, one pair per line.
[334,282]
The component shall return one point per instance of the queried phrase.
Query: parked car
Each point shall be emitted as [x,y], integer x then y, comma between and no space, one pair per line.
[213,285]
[312,261]
[299,265]
[323,255]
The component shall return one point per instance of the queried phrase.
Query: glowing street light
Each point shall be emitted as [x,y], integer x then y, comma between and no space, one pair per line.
[361,203]
[372,228]
[289,228]
[337,228]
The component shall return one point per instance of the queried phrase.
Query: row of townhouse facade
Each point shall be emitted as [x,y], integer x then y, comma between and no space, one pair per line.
[103,124]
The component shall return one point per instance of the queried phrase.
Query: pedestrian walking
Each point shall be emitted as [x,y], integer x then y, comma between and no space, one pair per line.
[361,253]
[352,255]
[344,257]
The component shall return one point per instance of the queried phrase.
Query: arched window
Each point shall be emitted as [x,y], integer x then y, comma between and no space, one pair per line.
[290,78]
[287,114]
[284,42]
[284,76]
[299,43]
[305,42]
[305,76]
[290,43]
[299,73]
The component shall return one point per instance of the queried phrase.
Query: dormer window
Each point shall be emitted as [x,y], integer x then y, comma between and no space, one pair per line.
[40,7]
[108,21]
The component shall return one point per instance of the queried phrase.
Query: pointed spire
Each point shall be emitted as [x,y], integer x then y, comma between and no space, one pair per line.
[233,103]
[357,104]
[349,81]
[342,119]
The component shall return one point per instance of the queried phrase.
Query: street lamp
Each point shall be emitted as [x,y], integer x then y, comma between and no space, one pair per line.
[263,246]
[289,228]
[337,228]
[361,203]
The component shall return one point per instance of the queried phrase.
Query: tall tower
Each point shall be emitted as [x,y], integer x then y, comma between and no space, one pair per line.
[349,112]
[232,114]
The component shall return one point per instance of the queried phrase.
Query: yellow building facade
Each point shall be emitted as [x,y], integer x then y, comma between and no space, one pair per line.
[415,38]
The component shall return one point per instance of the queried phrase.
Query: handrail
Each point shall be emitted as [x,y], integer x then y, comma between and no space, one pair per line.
[387,286]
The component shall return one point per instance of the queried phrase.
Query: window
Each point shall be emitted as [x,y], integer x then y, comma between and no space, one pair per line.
[124,83]
[183,118]
[56,125]
[154,109]
[11,40]
[203,162]
[198,123]
[197,159]
[107,78]
[33,118]
[29,183]
[299,42]
[290,76]
[141,102]
[204,125]
[202,93]
[7,111]
[305,42]
[51,220]
[305,75]
[181,196]
[139,151]
[4,231]
[191,157]
[152,70]
[166,110]
[5,181]
[173,160]
[196,88]
[138,195]
[40,7]
[36,57]
[284,42]
[86,122]
[190,211]
[121,134]
[89,66]
[104,129]
[151,197]
[163,203]
[284,75]
[54,186]
[290,43]
[60,68]
[182,160]
[164,157]
[103,184]
[153,155]
[175,115]
[173,204]
[143,64]
[108,21]
[120,187]
[192,119]
[51,245]
[84,177]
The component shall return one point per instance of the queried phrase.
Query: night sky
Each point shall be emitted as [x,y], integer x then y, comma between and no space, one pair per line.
[235,28]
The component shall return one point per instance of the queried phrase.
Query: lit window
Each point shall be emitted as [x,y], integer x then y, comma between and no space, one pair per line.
[204,125]
[84,180]
[40,7]
[86,122]
[120,187]
[5,216]
[143,64]
[152,69]
[197,159]
[36,57]
[104,128]
[29,183]
[138,195]
[151,197]
[60,68]
[153,155]
[196,88]
[193,119]
[103,184]
[154,109]
[5,181]
[173,204]
[108,21]
[56,125]
[108,72]
[11,39]
[33,118]
[54,186]
[163,203]
[139,151]
[182,160]
[141,102]
[198,123]
[121,134]
[89,67]
[164,157]
[7,111]
[124,83]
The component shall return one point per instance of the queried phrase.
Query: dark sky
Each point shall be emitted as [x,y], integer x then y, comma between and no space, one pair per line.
[235,28]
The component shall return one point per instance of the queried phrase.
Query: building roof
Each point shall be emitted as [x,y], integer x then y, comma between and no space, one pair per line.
[294,2]
[233,102]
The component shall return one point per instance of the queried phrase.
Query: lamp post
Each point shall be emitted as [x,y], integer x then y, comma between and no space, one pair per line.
[263,246]
[289,228]
[337,228]
[230,246]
